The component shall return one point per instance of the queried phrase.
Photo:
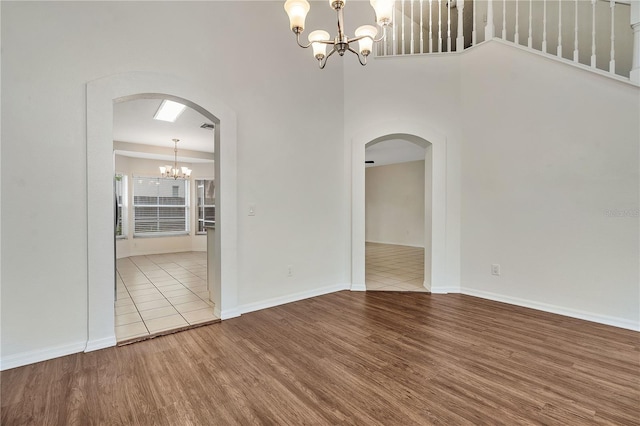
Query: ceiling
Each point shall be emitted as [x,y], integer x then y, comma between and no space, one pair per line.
[393,151]
[133,122]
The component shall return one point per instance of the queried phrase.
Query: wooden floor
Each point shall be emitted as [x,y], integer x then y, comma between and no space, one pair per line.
[348,358]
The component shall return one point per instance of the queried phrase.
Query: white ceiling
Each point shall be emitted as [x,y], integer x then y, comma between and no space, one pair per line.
[393,151]
[133,122]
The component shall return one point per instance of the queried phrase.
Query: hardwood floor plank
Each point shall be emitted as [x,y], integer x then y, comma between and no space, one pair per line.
[373,358]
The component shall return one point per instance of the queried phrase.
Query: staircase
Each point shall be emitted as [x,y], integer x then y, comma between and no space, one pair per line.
[603,36]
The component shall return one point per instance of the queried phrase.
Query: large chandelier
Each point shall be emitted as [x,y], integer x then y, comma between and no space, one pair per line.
[319,39]
[174,172]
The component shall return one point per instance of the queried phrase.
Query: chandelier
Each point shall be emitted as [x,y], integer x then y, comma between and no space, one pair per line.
[319,39]
[174,172]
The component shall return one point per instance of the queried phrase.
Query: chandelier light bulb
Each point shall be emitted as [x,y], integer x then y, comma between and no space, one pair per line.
[319,49]
[297,11]
[384,11]
[369,33]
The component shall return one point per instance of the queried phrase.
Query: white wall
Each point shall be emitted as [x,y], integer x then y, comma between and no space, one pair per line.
[52,49]
[395,203]
[136,246]
[548,150]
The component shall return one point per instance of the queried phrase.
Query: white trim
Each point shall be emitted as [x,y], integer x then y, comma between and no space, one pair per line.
[30,357]
[443,290]
[420,133]
[101,95]
[358,287]
[228,314]
[555,309]
[94,345]
[276,301]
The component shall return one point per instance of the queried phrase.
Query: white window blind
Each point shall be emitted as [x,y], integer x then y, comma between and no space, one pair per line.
[206,194]
[160,206]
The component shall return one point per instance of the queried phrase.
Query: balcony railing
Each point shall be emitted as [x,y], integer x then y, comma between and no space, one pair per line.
[603,35]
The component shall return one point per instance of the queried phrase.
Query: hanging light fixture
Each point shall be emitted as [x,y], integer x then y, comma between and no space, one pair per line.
[319,40]
[174,172]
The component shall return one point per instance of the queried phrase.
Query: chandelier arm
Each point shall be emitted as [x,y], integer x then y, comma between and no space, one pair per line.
[384,34]
[301,45]
[359,57]
[323,62]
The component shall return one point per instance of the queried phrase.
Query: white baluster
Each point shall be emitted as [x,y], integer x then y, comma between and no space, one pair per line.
[403,29]
[430,27]
[460,39]
[576,53]
[544,27]
[612,62]
[473,31]
[634,75]
[489,29]
[504,19]
[559,51]
[449,25]
[421,28]
[394,46]
[530,40]
[413,48]
[516,36]
[593,33]
[439,25]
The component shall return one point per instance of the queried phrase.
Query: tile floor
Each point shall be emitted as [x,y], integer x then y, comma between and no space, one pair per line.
[161,292]
[394,268]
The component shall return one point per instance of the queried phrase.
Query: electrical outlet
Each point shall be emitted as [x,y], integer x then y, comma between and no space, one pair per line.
[495,269]
[290,270]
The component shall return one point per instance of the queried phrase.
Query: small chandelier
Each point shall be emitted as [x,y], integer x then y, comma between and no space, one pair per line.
[319,39]
[174,172]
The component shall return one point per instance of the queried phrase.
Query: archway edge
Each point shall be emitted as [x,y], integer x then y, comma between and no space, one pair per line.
[101,94]
[417,132]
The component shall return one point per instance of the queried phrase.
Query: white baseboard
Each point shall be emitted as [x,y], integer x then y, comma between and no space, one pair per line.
[270,303]
[227,313]
[30,357]
[554,309]
[444,290]
[358,287]
[94,345]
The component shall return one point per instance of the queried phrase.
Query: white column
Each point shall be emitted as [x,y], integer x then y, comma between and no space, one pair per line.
[460,38]
[421,27]
[430,28]
[490,28]
[449,25]
[439,25]
[504,19]
[635,26]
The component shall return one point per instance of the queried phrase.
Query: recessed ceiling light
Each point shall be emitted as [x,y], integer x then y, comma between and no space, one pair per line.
[169,111]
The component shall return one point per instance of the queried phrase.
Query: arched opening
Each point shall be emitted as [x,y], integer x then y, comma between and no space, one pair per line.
[398,213]
[101,95]
[418,133]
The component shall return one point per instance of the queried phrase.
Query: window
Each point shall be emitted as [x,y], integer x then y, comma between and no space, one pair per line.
[158,208]
[120,189]
[206,194]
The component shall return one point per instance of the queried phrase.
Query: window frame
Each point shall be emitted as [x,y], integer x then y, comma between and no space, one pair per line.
[200,208]
[186,206]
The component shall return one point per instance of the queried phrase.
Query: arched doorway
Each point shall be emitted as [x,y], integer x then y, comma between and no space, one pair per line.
[398,214]
[101,95]
[420,134]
